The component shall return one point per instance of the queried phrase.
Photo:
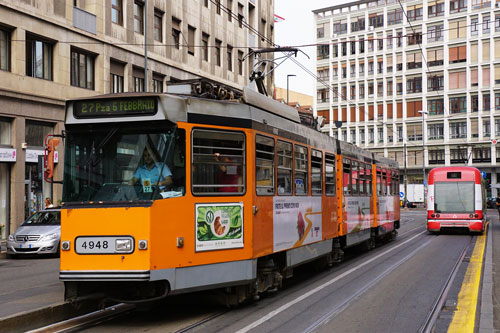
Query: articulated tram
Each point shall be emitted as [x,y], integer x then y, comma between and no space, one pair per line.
[166,194]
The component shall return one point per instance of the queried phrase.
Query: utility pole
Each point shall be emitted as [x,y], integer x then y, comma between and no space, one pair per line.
[146,46]
[405,178]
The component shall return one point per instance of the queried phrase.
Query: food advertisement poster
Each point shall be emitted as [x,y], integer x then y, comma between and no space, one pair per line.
[357,213]
[385,210]
[219,226]
[296,221]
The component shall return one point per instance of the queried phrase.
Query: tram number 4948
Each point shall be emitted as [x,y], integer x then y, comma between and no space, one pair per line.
[91,245]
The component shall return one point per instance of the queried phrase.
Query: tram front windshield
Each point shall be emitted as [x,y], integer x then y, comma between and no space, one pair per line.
[123,162]
[454,197]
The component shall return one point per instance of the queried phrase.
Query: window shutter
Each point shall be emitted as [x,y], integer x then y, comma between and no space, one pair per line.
[462,52]
[462,79]
[389,111]
[473,77]
[453,54]
[361,113]
[353,114]
[473,53]
[497,48]
[370,112]
[400,110]
[486,51]
[486,76]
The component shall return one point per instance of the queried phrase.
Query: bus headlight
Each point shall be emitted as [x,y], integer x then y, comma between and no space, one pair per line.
[143,244]
[123,245]
[65,245]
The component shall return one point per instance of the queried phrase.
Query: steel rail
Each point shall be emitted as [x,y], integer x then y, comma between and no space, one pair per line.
[432,316]
[87,320]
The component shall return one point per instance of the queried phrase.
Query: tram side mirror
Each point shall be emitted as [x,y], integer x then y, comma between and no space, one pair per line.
[50,148]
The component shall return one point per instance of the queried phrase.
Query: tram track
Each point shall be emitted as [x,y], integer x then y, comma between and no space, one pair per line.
[433,314]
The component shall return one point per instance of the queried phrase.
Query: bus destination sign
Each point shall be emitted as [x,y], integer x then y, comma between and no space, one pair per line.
[136,106]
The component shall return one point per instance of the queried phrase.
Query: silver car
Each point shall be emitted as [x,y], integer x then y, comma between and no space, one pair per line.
[39,234]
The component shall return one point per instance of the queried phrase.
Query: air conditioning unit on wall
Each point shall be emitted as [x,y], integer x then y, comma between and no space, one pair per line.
[371,28]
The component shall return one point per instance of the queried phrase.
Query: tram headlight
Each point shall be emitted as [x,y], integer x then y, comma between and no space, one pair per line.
[65,245]
[143,244]
[123,245]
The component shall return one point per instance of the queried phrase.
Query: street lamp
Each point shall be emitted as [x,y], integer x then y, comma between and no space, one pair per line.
[287,98]
[423,152]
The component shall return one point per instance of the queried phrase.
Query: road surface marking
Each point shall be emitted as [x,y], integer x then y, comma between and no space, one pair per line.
[464,317]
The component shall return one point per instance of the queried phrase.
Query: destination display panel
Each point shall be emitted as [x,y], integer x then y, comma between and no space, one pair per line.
[122,107]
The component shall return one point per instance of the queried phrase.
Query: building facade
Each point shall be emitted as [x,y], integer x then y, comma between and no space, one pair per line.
[415,81]
[53,50]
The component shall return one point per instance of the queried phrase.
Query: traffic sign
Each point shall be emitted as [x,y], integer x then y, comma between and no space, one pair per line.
[483,174]
[401,195]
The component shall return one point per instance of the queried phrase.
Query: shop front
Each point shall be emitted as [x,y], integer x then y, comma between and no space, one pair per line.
[7,158]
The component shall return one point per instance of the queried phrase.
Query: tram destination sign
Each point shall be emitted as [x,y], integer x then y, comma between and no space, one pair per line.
[123,107]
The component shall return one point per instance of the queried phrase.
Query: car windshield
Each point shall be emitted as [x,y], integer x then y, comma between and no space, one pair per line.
[454,197]
[44,218]
[123,162]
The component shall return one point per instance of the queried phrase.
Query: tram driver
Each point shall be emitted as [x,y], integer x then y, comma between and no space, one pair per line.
[151,172]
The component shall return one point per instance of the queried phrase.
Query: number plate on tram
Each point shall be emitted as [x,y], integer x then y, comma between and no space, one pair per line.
[104,245]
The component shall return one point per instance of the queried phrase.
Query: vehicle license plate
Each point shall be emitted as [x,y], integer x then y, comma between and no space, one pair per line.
[103,245]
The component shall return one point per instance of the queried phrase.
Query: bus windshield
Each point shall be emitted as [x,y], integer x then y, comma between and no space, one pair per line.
[123,162]
[454,197]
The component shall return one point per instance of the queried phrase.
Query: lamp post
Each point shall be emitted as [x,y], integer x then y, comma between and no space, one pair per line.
[423,153]
[287,77]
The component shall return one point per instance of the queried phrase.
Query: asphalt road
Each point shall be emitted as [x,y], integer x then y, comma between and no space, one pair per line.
[389,289]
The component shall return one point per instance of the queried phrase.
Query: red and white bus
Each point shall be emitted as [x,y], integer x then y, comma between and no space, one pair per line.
[456,198]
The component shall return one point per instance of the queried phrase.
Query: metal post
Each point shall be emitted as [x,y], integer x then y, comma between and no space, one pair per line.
[423,155]
[287,98]
[405,178]
[146,82]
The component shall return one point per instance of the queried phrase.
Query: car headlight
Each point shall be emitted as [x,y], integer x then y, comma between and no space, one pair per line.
[11,238]
[49,237]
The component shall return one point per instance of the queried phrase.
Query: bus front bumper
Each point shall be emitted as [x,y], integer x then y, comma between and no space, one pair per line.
[472,225]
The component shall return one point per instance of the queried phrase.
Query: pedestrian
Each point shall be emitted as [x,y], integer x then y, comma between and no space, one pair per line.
[48,203]
[497,203]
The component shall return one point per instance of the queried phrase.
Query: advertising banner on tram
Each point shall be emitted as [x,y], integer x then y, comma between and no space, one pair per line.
[357,213]
[385,212]
[219,226]
[296,221]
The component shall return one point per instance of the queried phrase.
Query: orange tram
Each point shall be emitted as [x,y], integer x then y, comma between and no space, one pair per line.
[166,194]
[456,199]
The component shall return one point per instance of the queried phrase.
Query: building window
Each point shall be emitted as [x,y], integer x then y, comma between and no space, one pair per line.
[322,52]
[474,103]
[414,85]
[204,46]
[474,26]
[117,12]
[138,84]
[458,130]
[400,133]
[229,58]
[240,62]
[116,83]
[497,127]
[157,83]
[218,45]
[486,102]
[240,15]
[435,57]
[481,155]
[323,96]
[340,27]
[435,83]
[458,156]
[4,50]
[415,38]
[458,104]
[139,17]
[218,7]
[229,8]
[38,58]
[414,60]
[436,156]
[344,49]
[497,101]
[486,24]
[435,33]
[458,54]
[435,106]
[458,6]
[191,43]
[36,132]
[436,8]
[486,128]
[158,31]
[414,13]
[436,131]
[394,16]
[82,69]
[371,135]
[176,32]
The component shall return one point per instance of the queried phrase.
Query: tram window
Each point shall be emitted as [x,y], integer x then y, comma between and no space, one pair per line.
[369,180]
[388,186]
[284,181]
[218,162]
[264,165]
[347,176]
[396,182]
[301,170]
[329,174]
[383,185]
[316,172]
[379,182]
[362,178]
[354,178]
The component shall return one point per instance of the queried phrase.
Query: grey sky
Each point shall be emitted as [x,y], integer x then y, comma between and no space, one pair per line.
[298,29]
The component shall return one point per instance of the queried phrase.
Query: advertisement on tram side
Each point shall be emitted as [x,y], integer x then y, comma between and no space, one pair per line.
[357,213]
[219,226]
[296,221]
[385,211]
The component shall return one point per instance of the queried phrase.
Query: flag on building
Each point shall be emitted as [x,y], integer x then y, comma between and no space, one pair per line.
[278,18]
